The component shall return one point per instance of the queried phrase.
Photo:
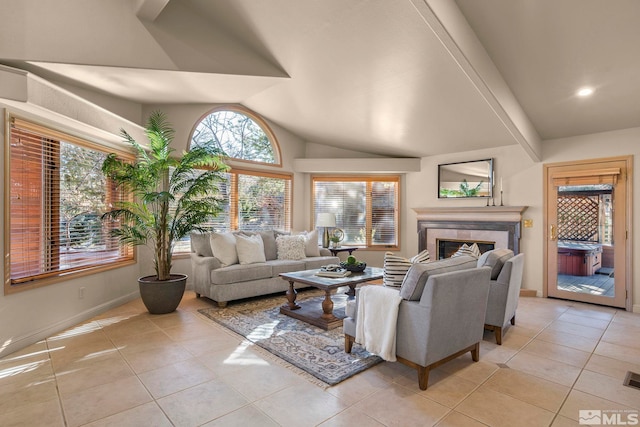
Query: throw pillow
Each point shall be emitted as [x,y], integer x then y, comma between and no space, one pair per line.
[269,241]
[291,247]
[278,233]
[311,248]
[418,274]
[471,250]
[200,244]
[495,259]
[396,267]
[223,246]
[250,249]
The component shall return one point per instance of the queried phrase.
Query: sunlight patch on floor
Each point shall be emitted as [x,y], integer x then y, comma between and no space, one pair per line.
[242,357]
[21,369]
[86,328]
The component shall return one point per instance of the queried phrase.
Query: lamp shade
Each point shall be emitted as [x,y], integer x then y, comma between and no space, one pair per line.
[326,220]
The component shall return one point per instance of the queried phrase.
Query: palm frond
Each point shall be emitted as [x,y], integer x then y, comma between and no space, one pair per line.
[195,162]
[130,235]
[167,206]
[160,134]
[197,185]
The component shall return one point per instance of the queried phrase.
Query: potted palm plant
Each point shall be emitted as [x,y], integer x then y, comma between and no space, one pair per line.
[172,197]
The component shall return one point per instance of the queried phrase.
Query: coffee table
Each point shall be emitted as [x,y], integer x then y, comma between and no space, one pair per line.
[311,313]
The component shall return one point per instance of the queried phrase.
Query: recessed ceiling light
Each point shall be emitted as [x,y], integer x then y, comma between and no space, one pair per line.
[585,91]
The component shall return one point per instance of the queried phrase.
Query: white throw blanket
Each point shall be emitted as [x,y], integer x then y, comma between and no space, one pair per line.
[377,317]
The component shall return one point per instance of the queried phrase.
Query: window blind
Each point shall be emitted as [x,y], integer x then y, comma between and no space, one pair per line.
[252,201]
[264,202]
[56,195]
[366,208]
[587,177]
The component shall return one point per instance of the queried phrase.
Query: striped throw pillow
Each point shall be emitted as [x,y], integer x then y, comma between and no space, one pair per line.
[465,249]
[396,267]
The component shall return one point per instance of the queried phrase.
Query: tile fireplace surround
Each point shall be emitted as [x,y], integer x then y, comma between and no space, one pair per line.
[499,224]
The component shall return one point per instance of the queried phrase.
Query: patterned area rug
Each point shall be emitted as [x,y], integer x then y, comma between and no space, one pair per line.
[314,350]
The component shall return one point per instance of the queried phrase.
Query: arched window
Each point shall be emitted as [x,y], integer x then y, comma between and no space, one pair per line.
[239,133]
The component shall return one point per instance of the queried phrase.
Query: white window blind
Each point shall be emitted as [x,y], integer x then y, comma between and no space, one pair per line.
[253,201]
[264,202]
[366,208]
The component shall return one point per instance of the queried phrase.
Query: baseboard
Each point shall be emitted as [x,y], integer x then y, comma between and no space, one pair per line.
[528,293]
[636,308]
[19,343]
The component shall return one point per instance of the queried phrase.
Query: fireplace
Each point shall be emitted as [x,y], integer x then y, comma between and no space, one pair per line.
[498,226]
[448,247]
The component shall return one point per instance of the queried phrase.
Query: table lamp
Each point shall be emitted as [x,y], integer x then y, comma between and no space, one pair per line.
[326,220]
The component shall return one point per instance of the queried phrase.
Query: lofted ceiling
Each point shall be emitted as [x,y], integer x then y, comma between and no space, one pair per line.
[405,78]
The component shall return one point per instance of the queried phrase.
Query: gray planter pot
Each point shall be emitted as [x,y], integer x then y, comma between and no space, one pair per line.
[162,296]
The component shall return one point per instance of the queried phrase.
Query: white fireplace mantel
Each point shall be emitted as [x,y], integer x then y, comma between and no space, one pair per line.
[482,213]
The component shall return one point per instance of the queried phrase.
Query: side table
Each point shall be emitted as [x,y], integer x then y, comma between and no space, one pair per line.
[350,249]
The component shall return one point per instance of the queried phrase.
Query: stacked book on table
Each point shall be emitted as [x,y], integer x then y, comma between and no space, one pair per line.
[332,270]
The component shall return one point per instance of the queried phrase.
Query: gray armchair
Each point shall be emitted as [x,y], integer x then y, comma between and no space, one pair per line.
[503,297]
[444,321]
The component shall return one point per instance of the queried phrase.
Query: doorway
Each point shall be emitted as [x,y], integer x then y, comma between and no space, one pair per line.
[587,223]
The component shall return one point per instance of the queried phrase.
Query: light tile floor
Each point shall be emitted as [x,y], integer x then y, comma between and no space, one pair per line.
[129,368]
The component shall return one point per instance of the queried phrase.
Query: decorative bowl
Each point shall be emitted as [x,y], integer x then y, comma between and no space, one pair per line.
[354,268]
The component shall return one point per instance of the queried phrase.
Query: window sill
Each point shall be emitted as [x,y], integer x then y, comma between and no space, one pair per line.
[13,289]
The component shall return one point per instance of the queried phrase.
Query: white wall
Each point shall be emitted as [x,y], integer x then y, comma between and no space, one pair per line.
[129,110]
[319,151]
[32,315]
[522,183]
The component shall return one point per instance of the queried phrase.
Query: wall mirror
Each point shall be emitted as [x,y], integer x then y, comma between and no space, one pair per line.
[466,179]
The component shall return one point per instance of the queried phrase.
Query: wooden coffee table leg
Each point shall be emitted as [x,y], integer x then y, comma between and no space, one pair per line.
[327,307]
[291,297]
[352,290]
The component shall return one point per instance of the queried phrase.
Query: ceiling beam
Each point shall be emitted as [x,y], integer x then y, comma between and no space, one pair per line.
[448,23]
[13,84]
[149,10]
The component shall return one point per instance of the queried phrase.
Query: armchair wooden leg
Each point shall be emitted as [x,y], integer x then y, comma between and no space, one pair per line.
[423,371]
[423,377]
[498,331]
[222,304]
[475,352]
[513,319]
[348,343]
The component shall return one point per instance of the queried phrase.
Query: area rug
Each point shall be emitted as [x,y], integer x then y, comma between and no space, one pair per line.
[317,352]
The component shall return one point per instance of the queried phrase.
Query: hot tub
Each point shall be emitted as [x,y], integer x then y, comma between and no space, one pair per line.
[578,258]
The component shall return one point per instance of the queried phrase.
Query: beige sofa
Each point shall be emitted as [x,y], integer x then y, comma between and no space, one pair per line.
[216,277]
